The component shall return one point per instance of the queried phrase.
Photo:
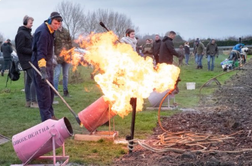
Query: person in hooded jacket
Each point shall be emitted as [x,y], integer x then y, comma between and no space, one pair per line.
[23,42]
[167,50]
[6,49]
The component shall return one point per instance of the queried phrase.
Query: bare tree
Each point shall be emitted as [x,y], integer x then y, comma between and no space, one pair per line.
[73,17]
[1,38]
[116,22]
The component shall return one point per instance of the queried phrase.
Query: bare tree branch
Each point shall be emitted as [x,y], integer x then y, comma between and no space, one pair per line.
[73,17]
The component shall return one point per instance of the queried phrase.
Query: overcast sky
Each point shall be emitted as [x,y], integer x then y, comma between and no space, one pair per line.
[191,18]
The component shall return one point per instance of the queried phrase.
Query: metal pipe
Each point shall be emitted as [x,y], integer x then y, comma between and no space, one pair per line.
[64,101]
[103,25]
[133,102]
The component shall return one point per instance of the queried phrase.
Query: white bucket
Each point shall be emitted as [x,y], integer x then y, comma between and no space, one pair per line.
[190,85]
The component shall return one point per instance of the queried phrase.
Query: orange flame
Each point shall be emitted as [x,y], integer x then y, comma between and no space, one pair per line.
[124,73]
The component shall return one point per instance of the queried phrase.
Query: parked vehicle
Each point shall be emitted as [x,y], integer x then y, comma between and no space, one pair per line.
[14,58]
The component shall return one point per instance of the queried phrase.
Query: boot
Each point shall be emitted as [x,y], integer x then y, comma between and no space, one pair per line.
[197,67]
[66,94]
[54,118]
[28,104]
[34,105]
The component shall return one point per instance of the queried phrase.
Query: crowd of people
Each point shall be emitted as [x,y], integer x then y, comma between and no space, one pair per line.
[165,53]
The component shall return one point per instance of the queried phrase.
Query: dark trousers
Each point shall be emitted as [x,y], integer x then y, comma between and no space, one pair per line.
[45,94]
[7,63]
[156,58]
[30,92]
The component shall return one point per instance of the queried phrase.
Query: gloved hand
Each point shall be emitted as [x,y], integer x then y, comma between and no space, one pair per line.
[44,75]
[217,56]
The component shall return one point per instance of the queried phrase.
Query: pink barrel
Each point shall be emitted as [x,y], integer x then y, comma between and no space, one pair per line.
[37,141]
[96,114]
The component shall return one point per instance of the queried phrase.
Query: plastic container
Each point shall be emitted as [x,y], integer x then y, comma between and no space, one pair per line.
[190,85]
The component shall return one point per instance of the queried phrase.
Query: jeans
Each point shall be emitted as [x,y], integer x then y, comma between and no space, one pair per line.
[57,71]
[30,92]
[186,58]
[199,59]
[209,59]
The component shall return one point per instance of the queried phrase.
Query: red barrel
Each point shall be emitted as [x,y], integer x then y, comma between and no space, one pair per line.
[37,141]
[96,114]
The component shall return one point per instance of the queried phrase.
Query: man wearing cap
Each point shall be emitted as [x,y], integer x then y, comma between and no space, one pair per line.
[42,56]
[6,49]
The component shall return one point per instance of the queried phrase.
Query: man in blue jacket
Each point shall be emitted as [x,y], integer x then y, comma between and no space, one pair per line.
[238,47]
[42,56]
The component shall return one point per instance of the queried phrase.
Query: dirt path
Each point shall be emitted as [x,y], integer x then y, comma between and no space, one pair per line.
[227,113]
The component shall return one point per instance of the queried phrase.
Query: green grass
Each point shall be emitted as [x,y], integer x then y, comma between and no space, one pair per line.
[15,118]
[190,98]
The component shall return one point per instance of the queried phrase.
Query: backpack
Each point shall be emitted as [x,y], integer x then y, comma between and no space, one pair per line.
[14,72]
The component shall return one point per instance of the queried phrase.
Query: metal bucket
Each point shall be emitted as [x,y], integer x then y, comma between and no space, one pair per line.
[96,114]
[37,141]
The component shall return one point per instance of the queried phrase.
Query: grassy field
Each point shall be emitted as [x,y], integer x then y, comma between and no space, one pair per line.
[15,117]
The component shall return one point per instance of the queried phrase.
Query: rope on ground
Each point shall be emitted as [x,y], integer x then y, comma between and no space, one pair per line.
[177,150]
[170,139]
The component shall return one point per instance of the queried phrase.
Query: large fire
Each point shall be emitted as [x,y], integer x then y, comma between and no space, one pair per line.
[123,73]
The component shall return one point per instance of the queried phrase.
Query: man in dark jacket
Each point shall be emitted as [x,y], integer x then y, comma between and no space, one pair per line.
[23,42]
[167,50]
[42,59]
[6,49]
[156,48]
[211,52]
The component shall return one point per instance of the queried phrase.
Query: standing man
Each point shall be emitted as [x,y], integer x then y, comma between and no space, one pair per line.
[187,52]
[42,59]
[167,50]
[6,49]
[62,41]
[147,49]
[211,51]
[156,48]
[199,55]
[23,42]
